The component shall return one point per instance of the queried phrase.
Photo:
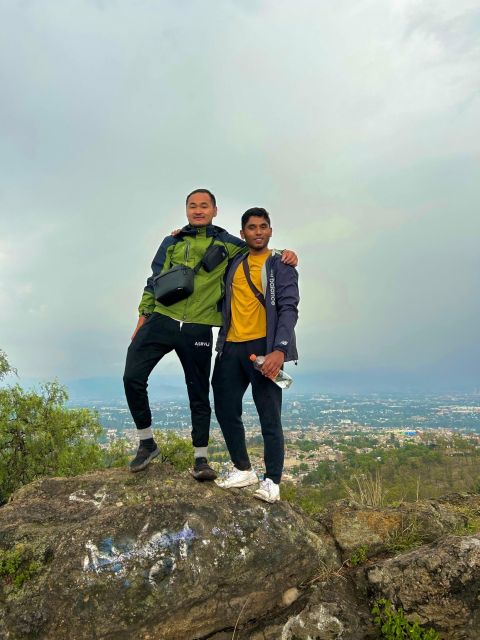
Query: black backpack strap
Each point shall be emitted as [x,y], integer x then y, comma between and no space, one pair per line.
[198,266]
[258,294]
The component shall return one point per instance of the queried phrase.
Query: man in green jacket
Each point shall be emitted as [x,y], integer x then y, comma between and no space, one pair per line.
[184,326]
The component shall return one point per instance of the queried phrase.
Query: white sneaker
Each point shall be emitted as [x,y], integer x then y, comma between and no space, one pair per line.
[268,491]
[237,479]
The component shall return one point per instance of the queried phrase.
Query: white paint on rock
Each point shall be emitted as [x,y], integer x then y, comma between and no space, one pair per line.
[183,549]
[109,558]
[81,495]
[317,621]
[158,568]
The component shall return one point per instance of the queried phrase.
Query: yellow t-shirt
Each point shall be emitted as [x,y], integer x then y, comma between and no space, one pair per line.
[249,320]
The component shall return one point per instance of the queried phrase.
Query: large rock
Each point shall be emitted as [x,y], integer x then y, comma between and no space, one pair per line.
[436,585]
[154,555]
[379,529]
[158,556]
[337,609]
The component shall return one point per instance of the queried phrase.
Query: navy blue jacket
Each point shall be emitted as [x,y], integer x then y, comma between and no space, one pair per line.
[280,288]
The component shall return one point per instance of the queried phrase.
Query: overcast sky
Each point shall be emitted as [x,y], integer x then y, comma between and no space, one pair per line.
[354,122]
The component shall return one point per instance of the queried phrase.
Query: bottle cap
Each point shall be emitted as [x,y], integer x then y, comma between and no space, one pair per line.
[253,357]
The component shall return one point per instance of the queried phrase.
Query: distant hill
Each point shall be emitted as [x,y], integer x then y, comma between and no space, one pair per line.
[111,388]
[163,387]
[104,388]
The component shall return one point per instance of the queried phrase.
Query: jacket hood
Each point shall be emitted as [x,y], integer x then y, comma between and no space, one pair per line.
[211,229]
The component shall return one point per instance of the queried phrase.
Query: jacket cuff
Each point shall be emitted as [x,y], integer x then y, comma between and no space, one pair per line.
[280,347]
[147,303]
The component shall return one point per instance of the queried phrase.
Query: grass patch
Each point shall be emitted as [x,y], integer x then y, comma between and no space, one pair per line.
[405,538]
[366,489]
[17,565]
[471,523]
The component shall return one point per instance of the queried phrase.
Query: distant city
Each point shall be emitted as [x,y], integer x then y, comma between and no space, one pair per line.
[321,428]
[320,411]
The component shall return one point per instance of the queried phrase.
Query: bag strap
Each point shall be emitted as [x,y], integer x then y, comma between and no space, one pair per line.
[258,294]
[198,266]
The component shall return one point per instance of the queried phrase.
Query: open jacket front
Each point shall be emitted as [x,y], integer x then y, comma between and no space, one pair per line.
[280,288]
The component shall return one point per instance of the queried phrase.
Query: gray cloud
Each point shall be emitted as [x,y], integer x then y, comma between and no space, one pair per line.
[354,123]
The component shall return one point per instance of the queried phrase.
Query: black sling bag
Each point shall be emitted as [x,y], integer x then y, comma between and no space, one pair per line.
[178,282]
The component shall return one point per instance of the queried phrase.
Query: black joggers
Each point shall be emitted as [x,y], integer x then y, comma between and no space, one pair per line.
[232,374]
[193,344]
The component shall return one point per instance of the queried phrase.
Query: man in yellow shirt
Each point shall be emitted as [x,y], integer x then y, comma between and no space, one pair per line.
[260,310]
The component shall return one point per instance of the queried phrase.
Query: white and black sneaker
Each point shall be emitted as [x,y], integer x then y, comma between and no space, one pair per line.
[268,491]
[143,458]
[237,479]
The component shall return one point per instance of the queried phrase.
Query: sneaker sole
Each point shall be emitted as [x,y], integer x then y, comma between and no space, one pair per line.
[238,485]
[145,463]
[265,499]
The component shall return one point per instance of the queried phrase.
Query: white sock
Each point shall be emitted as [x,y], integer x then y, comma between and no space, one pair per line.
[200,452]
[145,434]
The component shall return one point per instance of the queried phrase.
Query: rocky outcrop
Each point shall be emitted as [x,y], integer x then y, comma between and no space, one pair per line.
[382,529]
[437,585]
[158,556]
[151,555]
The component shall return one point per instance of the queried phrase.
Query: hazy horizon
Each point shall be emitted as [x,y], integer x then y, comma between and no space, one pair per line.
[165,387]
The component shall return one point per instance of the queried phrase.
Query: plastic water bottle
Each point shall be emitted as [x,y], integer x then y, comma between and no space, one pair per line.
[282,379]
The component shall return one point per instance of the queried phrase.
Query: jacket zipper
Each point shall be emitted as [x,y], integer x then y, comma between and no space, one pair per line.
[186,258]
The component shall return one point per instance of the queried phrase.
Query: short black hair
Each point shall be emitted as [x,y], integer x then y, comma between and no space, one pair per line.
[258,212]
[212,197]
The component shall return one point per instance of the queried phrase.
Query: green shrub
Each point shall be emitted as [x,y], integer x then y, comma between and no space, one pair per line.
[117,454]
[306,498]
[395,626]
[359,556]
[5,368]
[174,450]
[41,436]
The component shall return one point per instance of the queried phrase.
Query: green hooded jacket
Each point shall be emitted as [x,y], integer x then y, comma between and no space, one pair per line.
[188,248]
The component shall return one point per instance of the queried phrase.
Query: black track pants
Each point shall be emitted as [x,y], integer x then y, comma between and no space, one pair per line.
[193,345]
[232,374]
